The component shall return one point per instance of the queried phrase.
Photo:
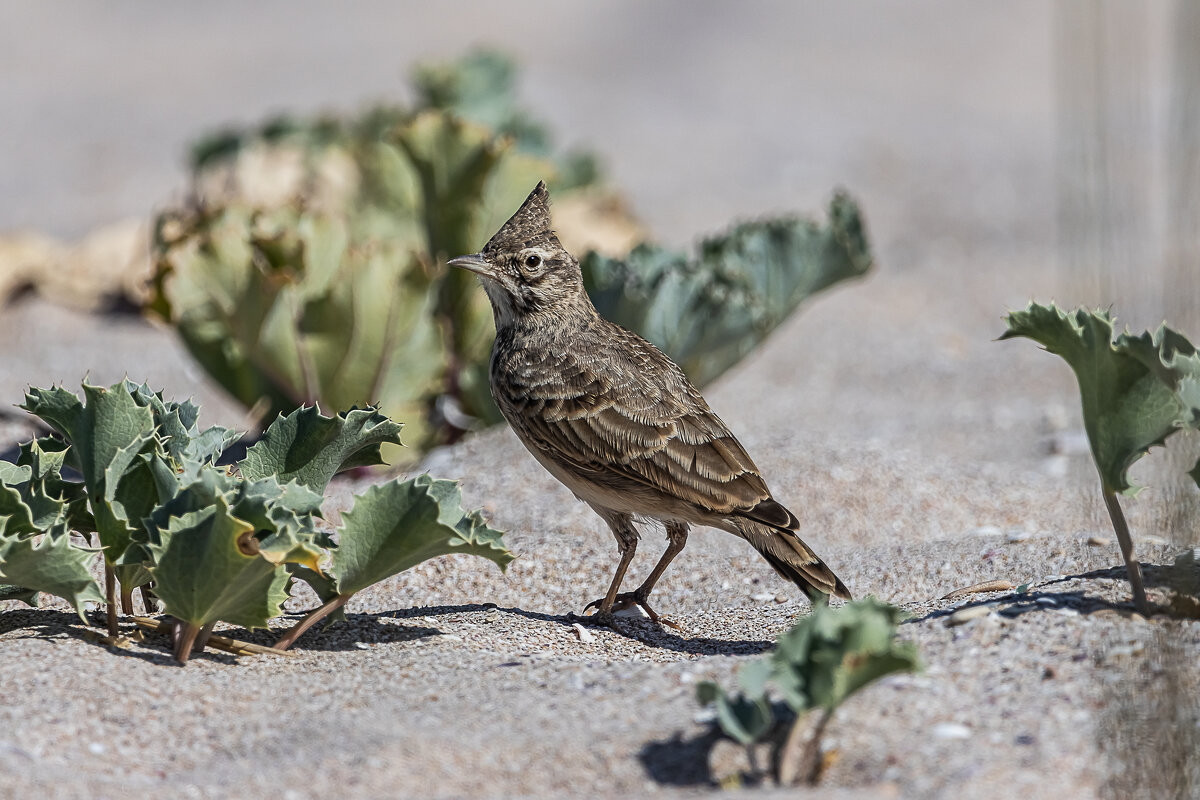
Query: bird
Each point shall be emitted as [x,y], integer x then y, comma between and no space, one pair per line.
[617,421]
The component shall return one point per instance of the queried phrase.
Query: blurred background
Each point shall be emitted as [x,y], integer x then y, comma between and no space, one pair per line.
[1040,148]
[701,111]
[938,117]
[1030,148]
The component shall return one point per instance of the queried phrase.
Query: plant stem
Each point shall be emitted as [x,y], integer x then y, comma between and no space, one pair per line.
[205,633]
[126,600]
[1135,569]
[789,757]
[147,598]
[185,637]
[215,641]
[313,618]
[812,752]
[795,761]
[110,597]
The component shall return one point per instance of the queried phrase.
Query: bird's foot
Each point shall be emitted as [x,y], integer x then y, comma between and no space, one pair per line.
[623,601]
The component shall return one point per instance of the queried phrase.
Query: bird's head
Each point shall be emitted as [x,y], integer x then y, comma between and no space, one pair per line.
[525,269]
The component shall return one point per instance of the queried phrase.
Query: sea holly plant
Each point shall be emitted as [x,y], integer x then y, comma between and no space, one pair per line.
[823,659]
[212,543]
[392,527]
[708,311]
[308,263]
[1135,391]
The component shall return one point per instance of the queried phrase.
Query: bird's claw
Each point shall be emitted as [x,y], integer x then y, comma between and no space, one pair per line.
[628,600]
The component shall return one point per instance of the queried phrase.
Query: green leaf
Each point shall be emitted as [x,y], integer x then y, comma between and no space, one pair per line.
[310,448]
[107,433]
[27,596]
[203,573]
[51,564]
[324,586]
[176,425]
[50,497]
[707,692]
[1135,390]
[396,525]
[831,654]
[481,87]
[33,495]
[708,312]
[819,662]
[742,719]
[754,677]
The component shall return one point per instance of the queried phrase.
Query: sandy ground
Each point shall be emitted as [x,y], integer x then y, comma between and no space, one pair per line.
[921,455]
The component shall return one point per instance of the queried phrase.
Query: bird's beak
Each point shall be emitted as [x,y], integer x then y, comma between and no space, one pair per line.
[475,263]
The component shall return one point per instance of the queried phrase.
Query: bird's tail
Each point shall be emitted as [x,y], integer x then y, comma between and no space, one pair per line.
[792,558]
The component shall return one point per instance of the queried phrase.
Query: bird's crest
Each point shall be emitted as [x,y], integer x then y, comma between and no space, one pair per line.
[529,226]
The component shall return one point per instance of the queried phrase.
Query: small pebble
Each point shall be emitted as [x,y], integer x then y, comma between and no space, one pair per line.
[96,748]
[950,730]
[1132,649]
[1014,537]
[1097,541]
[968,613]
[583,634]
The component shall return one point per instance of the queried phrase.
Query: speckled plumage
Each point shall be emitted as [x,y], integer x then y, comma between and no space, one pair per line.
[616,420]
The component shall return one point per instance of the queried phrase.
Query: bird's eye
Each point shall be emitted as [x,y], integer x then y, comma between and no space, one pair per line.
[533,262]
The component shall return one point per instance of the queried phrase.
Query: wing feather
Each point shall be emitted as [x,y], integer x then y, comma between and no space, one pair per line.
[604,416]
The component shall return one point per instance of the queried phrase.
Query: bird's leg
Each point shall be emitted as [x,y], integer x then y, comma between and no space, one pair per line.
[677,533]
[627,538]
[676,539]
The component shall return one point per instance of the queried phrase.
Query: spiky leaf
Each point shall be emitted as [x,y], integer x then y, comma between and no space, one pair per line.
[831,654]
[709,311]
[206,571]
[397,525]
[1135,390]
[35,494]
[818,663]
[51,564]
[107,433]
[310,448]
[177,426]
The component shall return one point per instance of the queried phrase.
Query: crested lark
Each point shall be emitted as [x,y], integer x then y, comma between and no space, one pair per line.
[617,421]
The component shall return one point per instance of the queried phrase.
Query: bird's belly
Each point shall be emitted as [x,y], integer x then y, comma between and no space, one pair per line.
[640,501]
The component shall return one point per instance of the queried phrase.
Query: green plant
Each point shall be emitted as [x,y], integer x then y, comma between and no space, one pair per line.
[708,312]
[822,660]
[346,301]
[213,543]
[1135,391]
[309,264]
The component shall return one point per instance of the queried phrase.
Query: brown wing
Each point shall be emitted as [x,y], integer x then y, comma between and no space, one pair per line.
[627,417]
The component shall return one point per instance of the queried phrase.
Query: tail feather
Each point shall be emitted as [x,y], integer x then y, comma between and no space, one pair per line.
[792,558]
